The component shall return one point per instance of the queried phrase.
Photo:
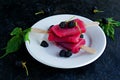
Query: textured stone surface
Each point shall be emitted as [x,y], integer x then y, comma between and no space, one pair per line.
[20,13]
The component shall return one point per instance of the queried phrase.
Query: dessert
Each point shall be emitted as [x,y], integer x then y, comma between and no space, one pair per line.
[67,35]
[67,31]
[74,47]
[71,39]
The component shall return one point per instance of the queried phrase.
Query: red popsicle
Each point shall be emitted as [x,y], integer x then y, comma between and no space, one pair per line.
[72,39]
[62,32]
[74,47]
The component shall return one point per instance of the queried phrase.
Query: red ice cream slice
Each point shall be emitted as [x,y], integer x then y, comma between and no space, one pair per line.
[62,32]
[74,47]
[72,39]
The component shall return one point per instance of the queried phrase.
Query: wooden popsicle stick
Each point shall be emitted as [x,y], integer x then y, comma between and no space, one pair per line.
[45,31]
[88,49]
[39,30]
[92,24]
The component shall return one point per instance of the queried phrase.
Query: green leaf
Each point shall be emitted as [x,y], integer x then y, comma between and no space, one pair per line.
[16,31]
[112,32]
[26,34]
[110,19]
[26,37]
[113,22]
[109,28]
[117,24]
[16,41]
[13,45]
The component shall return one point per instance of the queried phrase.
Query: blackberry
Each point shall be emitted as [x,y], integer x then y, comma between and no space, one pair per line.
[44,44]
[104,21]
[62,24]
[81,36]
[68,54]
[71,24]
[62,53]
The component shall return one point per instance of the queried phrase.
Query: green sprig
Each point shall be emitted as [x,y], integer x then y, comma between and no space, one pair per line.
[19,36]
[109,26]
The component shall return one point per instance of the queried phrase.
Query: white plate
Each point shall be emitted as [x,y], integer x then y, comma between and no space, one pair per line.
[95,38]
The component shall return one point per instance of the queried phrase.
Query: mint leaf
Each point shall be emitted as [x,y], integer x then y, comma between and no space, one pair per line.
[112,32]
[16,31]
[117,24]
[18,37]
[113,22]
[26,37]
[13,45]
[26,34]
[108,28]
[110,19]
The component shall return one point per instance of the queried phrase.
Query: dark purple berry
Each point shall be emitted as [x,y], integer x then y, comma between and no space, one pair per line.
[68,54]
[71,24]
[44,44]
[81,36]
[62,24]
[104,21]
[62,53]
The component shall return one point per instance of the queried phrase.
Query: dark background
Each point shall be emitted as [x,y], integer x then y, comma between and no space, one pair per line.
[21,13]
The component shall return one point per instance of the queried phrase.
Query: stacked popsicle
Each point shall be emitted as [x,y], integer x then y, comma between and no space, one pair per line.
[67,35]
